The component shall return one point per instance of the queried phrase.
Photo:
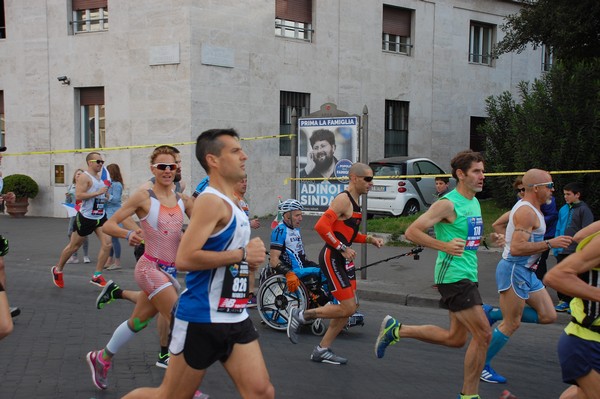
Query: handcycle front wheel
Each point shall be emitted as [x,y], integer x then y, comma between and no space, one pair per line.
[274,299]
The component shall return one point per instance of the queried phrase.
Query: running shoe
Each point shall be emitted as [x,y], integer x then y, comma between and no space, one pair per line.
[107,294]
[562,306]
[57,277]
[163,361]
[98,280]
[294,323]
[487,309]
[488,374]
[327,356]
[14,311]
[99,369]
[114,266]
[386,335]
[86,259]
[73,259]
[507,395]
[200,395]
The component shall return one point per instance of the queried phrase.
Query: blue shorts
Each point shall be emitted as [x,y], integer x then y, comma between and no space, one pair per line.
[522,279]
[578,357]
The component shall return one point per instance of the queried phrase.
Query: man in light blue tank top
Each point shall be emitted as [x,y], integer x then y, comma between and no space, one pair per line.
[515,274]
[456,218]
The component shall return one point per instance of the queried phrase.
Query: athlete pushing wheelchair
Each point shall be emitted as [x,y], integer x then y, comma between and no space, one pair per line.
[290,277]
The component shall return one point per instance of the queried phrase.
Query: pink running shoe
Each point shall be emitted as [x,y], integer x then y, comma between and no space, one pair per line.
[99,369]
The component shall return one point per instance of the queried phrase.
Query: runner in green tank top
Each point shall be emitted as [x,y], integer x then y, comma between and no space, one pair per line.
[456,219]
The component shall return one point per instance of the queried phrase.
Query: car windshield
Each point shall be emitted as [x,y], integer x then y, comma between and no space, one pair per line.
[388,169]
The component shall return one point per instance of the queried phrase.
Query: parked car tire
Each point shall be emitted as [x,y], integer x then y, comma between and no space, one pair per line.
[411,208]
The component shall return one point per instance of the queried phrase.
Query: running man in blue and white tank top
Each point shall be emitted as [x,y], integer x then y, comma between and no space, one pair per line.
[92,191]
[517,282]
[211,323]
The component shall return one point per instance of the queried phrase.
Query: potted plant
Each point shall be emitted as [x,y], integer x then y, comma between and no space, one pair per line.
[24,187]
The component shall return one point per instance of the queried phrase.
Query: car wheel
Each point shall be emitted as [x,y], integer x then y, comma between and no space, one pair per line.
[411,208]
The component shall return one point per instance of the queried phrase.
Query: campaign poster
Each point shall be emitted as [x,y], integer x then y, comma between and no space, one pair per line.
[327,148]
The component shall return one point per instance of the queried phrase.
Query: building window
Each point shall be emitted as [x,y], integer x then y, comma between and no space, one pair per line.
[396,30]
[396,128]
[90,16]
[293,19]
[2,21]
[476,138]
[2,131]
[547,58]
[93,123]
[480,43]
[288,101]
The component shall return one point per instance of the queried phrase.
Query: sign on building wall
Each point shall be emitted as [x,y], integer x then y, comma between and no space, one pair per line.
[327,147]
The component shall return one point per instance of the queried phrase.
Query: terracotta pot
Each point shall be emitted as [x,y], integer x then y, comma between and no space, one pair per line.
[17,209]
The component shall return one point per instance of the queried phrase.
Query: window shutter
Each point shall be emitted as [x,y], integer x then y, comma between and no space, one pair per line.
[89,4]
[91,96]
[396,21]
[294,10]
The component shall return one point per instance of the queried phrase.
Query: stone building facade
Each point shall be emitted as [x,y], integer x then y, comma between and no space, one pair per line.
[144,72]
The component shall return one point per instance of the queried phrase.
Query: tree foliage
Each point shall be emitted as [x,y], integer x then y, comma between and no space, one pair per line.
[570,27]
[555,126]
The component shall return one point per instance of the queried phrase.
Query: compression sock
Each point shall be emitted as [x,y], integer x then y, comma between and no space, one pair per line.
[529,315]
[120,337]
[498,342]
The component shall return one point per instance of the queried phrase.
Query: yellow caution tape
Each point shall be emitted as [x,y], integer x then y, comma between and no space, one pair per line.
[132,147]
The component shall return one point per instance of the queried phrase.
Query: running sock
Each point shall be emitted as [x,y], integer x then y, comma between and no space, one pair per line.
[96,274]
[120,337]
[301,317]
[498,342]
[164,350]
[461,396]
[529,315]
[320,348]
[117,294]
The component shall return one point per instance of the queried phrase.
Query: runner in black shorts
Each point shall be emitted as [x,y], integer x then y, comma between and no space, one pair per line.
[456,219]
[93,192]
[339,229]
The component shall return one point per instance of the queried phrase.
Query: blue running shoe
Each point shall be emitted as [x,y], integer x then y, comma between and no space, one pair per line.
[562,307]
[488,374]
[386,335]
[487,309]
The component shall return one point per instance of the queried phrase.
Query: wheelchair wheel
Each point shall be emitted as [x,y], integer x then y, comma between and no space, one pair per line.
[318,327]
[274,298]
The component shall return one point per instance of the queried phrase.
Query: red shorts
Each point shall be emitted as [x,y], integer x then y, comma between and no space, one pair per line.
[341,276]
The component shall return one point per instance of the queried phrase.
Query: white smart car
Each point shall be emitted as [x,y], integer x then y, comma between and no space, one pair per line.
[403,196]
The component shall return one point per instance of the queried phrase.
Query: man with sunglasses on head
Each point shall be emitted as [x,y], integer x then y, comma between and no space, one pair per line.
[338,227]
[93,192]
[516,279]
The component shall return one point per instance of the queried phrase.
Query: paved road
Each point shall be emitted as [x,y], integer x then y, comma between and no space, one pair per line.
[44,357]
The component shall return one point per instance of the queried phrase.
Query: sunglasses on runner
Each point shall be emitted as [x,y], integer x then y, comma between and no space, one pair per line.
[520,190]
[549,185]
[368,179]
[164,166]
[98,161]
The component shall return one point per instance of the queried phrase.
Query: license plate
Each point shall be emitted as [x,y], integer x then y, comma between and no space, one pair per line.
[378,189]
